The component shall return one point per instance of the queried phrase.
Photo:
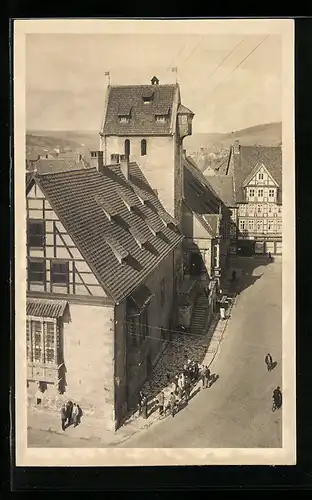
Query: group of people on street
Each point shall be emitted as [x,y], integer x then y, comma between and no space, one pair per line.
[70,414]
[180,389]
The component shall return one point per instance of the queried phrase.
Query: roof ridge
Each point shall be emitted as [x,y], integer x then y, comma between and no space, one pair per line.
[144,85]
[59,172]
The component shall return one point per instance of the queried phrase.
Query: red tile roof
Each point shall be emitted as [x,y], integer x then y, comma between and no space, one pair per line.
[142,119]
[72,194]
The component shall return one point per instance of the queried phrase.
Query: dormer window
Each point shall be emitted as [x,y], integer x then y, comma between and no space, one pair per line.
[160,118]
[108,210]
[124,113]
[118,250]
[124,119]
[148,96]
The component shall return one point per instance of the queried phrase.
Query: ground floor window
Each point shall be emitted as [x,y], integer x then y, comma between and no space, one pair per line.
[43,341]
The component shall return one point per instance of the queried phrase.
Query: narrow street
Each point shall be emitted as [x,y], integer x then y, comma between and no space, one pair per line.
[236,410]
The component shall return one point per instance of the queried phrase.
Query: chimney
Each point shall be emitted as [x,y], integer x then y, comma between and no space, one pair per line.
[124,166]
[96,159]
[236,147]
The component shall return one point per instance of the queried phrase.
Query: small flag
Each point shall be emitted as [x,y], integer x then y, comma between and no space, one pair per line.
[106,73]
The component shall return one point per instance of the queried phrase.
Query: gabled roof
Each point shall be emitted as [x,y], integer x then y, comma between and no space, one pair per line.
[108,246]
[253,173]
[249,156]
[142,115]
[223,186]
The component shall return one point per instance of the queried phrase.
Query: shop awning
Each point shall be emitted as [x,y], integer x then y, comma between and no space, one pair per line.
[46,308]
[141,297]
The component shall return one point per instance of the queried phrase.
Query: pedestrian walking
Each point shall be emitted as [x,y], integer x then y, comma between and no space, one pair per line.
[203,375]
[268,361]
[277,398]
[176,384]
[144,407]
[172,404]
[180,386]
[187,389]
[69,408]
[75,414]
[161,403]
[207,376]
[233,275]
[63,416]
[141,397]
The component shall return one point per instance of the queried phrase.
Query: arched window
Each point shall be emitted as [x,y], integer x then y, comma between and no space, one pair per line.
[127,148]
[143,147]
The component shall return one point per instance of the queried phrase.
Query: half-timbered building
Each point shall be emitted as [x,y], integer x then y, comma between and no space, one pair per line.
[101,254]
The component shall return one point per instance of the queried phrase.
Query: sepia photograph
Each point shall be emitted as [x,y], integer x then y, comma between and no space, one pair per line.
[154,177]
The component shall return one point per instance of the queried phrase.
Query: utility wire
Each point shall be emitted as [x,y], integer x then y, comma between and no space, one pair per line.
[226,57]
[192,52]
[238,65]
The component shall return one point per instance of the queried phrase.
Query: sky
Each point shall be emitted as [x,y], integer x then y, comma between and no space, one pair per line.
[66,82]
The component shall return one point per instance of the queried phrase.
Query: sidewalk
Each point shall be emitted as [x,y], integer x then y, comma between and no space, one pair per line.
[195,347]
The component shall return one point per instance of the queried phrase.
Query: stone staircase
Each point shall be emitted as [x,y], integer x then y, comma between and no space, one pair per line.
[199,316]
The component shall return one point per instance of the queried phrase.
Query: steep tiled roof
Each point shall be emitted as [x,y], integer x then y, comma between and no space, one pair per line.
[223,186]
[45,166]
[142,119]
[120,267]
[248,158]
[198,192]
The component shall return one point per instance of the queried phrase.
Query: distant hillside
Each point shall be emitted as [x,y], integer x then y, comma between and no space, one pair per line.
[41,142]
[269,134]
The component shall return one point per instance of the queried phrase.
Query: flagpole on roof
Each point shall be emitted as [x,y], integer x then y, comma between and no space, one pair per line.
[107,73]
[175,70]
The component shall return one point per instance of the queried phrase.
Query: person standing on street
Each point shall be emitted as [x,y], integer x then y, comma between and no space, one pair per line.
[180,386]
[172,404]
[63,417]
[207,376]
[161,403]
[268,361]
[277,397]
[203,375]
[75,414]
[144,407]
[69,408]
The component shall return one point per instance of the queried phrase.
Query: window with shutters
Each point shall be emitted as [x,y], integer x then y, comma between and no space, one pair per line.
[43,341]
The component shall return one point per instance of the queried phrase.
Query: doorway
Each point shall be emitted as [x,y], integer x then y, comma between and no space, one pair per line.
[195,263]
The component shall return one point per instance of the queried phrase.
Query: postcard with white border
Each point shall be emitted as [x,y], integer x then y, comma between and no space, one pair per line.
[155,279]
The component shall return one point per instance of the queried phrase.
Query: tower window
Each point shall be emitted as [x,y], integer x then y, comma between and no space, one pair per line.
[127,148]
[143,147]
